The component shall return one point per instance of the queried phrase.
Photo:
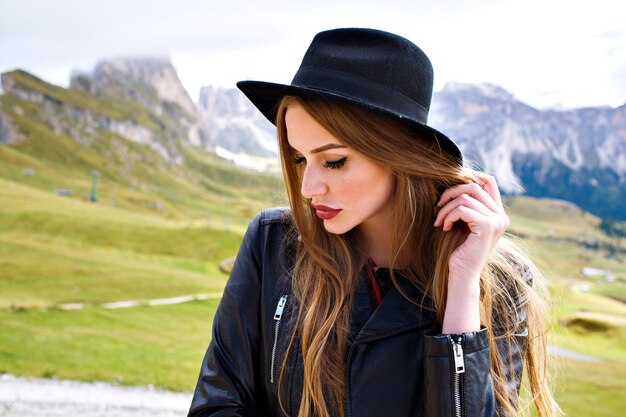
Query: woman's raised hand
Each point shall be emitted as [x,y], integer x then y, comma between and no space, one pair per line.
[479,206]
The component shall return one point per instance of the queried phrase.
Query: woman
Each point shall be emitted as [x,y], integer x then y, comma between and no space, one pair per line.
[386,289]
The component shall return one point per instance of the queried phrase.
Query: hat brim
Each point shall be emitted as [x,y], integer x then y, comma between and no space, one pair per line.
[266,97]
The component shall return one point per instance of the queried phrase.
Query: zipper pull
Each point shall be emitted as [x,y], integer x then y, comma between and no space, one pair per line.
[277,315]
[459,361]
[280,307]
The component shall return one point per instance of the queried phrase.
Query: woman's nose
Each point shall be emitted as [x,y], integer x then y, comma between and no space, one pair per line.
[312,183]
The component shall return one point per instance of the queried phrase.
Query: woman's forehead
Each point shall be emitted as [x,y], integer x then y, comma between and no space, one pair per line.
[307,135]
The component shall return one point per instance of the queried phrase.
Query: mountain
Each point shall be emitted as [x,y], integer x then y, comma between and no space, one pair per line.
[153,84]
[576,155]
[131,125]
[126,106]
[241,132]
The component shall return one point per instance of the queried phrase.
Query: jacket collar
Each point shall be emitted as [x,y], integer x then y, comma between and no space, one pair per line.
[395,314]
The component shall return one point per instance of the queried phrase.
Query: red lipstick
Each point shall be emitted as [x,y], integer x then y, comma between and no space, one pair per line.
[324,212]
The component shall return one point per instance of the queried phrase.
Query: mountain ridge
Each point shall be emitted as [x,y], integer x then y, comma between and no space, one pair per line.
[138,144]
[576,155]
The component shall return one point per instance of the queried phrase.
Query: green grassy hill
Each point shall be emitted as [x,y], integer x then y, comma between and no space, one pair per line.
[62,144]
[56,250]
[589,311]
[159,229]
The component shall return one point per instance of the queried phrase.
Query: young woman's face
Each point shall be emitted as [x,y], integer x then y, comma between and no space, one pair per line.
[346,188]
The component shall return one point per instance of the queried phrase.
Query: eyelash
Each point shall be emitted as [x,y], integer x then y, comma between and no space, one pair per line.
[335,164]
[327,164]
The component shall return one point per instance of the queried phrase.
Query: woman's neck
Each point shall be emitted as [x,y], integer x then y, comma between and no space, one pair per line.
[377,245]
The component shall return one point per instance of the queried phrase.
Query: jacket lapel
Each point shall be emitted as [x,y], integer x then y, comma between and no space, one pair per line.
[395,314]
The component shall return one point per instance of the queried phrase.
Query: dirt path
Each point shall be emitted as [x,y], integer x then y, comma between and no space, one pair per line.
[137,303]
[24,397]
[569,354]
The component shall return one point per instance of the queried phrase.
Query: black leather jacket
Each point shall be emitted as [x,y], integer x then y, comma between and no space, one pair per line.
[397,365]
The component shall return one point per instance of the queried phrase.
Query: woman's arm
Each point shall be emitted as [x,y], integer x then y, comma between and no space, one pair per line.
[226,385]
[480,208]
[458,365]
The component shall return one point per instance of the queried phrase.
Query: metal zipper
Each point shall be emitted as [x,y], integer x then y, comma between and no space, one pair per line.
[459,368]
[351,346]
[277,315]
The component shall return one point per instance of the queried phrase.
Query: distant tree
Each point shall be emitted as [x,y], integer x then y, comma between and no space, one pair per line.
[613,228]
[617,230]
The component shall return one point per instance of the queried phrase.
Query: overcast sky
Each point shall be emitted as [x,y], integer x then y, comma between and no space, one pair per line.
[548,53]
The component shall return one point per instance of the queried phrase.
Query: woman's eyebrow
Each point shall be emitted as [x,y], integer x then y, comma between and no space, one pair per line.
[328,146]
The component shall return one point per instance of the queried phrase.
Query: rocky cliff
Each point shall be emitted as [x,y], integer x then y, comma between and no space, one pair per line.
[577,155]
[240,132]
[139,99]
[153,84]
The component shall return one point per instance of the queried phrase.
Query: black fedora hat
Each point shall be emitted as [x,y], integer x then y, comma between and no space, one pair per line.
[368,68]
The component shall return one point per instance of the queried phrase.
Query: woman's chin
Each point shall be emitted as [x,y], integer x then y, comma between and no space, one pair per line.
[335,227]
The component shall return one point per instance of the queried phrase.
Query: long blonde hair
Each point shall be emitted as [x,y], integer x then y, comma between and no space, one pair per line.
[328,266]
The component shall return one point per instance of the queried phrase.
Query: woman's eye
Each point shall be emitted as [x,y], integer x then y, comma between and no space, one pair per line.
[299,159]
[335,164]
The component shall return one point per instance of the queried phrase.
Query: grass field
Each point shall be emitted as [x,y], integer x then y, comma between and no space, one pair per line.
[589,311]
[160,346]
[56,250]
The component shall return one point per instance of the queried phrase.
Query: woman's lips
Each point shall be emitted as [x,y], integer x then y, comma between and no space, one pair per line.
[324,212]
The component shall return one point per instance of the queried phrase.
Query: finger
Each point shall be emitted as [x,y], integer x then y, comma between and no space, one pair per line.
[473,190]
[463,200]
[462,213]
[490,186]
[494,224]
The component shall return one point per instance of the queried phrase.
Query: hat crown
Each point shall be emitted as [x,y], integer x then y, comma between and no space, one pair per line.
[381,57]
[368,68]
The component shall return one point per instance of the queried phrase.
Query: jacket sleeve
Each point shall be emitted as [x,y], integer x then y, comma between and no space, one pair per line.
[451,394]
[471,393]
[226,385]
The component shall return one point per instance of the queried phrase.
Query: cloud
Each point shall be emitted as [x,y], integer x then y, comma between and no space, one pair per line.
[569,48]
